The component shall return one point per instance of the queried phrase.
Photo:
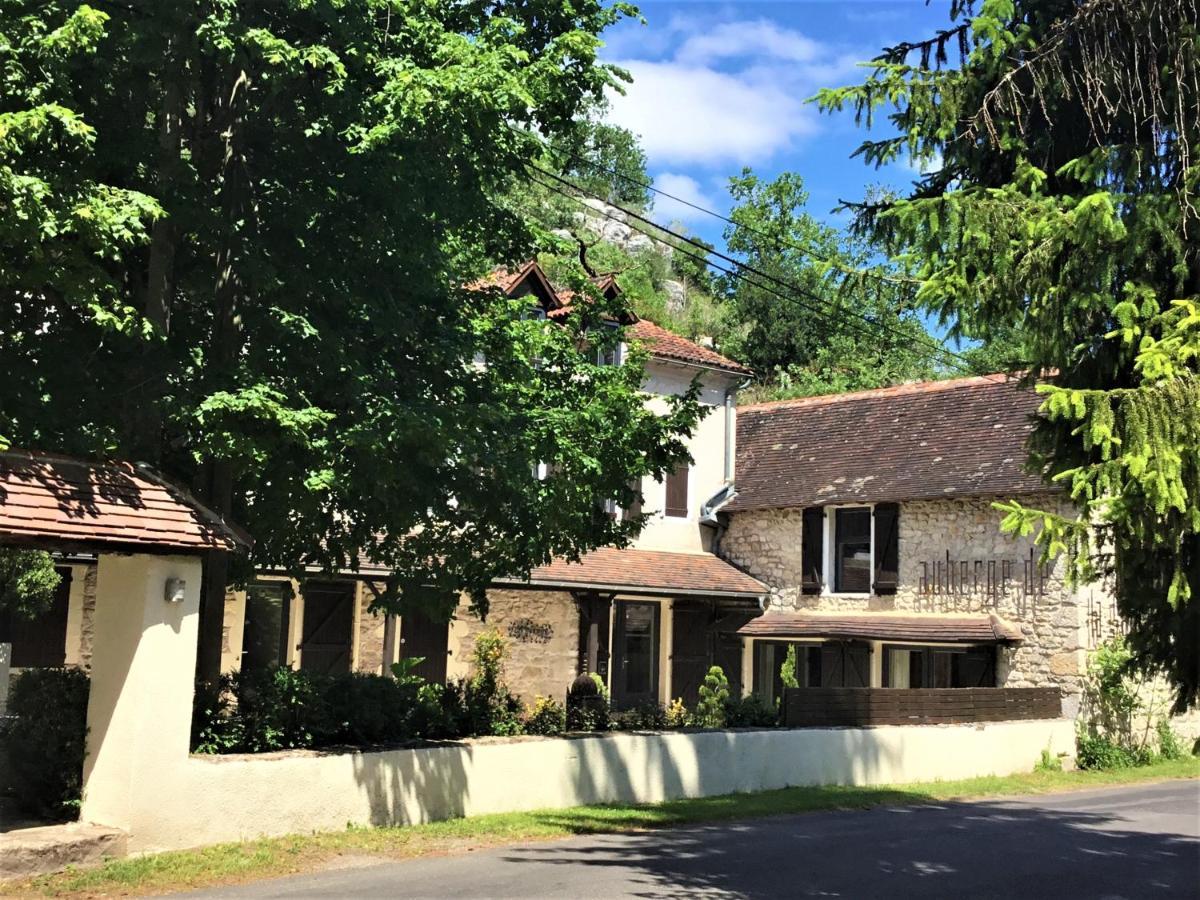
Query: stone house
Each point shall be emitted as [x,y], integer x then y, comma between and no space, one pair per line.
[870,516]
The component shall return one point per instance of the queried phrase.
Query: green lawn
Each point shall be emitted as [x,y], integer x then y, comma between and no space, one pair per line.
[267,857]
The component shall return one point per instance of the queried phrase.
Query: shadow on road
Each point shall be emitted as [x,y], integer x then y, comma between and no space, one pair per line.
[930,850]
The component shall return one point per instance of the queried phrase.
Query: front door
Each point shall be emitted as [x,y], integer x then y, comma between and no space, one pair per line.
[422,637]
[690,656]
[635,654]
[325,644]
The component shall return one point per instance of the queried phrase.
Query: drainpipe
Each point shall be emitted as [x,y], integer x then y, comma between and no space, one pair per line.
[730,418]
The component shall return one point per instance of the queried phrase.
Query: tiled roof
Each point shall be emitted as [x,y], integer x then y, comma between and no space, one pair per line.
[55,501]
[668,345]
[963,437]
[648,571]
[883,626]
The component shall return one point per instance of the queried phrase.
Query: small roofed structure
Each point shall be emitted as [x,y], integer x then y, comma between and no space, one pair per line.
[150,537]
[60,502]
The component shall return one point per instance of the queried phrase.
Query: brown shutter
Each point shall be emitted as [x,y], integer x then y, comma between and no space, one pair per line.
[887,548]
[812,549]
[677,492]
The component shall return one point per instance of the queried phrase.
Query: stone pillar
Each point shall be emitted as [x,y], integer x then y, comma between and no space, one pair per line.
[143,673]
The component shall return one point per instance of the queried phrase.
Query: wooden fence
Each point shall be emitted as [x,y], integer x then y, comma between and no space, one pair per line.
[814,707]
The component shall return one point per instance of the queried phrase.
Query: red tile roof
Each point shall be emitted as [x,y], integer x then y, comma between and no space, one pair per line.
[668,345]
[56,502]
[883,626]
[647,571]
[962,437]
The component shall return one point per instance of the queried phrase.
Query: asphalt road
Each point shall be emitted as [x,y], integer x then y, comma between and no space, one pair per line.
[1124,842]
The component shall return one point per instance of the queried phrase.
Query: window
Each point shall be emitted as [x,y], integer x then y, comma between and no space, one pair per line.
[609,351]
[40,642]
[939,667]
[850,549]
[769,659]
[265,632]
[677,493]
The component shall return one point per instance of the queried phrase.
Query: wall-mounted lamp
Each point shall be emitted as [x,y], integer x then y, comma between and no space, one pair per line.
[173,591]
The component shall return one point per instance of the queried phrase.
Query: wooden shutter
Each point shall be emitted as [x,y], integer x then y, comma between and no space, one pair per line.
[677,492]
[887,548]
[812,549]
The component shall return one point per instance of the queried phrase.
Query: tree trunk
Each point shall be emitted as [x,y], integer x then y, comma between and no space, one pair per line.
[226,345]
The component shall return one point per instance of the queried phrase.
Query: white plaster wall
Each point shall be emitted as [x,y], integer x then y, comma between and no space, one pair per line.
[707,446]
[215,799]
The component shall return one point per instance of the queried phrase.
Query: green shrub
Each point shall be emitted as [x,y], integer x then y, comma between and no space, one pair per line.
[216,728]
[587,705]
[47,740]
[751,711]
[547,716]
[370,709]
[646,716]
[714,693]
[1048,762]
[1169,745]
[787,671]
[1094,751]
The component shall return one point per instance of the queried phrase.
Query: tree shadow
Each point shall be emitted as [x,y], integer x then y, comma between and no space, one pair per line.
[985,849]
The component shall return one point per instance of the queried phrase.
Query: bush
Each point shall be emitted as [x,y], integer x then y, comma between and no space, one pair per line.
[47,740]
[1169,746]
[547,716]
[587,705]
[751,711]
[714,693]
[677,714]
[1048,762]
[369,709]
[646,716]
[1094,751]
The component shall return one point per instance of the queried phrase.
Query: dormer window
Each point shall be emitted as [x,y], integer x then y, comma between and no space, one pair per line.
[609,355]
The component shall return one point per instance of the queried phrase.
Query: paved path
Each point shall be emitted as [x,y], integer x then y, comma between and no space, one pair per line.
[1139,841]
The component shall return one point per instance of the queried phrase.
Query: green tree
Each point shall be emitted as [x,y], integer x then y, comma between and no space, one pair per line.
[607,161]
[28,581]
[808,340]
[1063,210]
[234,238]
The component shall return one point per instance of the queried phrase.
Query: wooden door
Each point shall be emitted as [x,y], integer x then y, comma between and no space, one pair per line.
[327,630]
[690,653]
[635,654]
[424,638]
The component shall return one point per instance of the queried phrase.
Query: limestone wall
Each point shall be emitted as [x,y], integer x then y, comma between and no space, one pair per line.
[767,544]
[369,636]
[542,630]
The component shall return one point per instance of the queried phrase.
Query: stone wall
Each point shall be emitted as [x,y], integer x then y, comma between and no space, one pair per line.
[371,626]
[767,544]
[542,631]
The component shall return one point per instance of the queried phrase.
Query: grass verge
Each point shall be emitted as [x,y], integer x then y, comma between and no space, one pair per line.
[272,857]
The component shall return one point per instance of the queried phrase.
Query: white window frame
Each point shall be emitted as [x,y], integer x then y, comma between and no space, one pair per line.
[829,563]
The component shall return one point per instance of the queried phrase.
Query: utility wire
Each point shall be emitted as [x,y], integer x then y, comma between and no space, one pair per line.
[779,241]
[960,361]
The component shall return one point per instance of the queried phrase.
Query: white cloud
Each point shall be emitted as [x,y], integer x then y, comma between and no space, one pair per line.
[688,190]
[730,93]
[695,114]
[756,38]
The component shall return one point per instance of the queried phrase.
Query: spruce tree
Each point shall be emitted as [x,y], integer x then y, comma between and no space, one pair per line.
[1062,140]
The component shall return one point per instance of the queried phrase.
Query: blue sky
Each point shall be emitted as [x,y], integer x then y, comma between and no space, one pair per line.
[719,85]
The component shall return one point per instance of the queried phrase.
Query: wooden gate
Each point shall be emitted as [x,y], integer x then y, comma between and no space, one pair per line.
[327,631]
[814,707]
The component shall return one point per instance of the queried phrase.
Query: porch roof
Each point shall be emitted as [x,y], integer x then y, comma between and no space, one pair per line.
[934,627]
[58,502]
[647,572]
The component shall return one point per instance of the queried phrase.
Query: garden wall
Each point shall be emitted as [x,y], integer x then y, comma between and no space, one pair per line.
[207,800]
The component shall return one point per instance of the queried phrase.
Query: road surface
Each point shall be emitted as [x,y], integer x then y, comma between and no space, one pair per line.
[1141,841]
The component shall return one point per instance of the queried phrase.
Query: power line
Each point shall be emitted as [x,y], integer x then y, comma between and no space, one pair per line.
[960,361]
[785,242]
